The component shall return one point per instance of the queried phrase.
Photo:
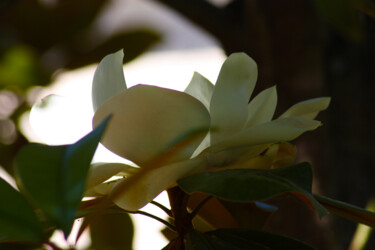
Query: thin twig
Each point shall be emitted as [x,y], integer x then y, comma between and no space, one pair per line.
[52,245]
[162,207]
[153,217]
[200,205]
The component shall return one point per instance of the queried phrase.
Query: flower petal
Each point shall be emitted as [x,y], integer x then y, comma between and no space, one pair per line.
[308,109]
[147,119]
[108,79]
[100,172]
[101,189]
[279,130]
[229,103]
[262,107]
[200,88]
[136,191]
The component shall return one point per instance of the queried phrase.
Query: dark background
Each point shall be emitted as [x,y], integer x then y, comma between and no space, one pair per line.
[308,48]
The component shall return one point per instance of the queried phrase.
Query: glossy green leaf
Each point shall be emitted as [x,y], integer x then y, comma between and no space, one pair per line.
[54,176]
[239,239]
[348,211]
[111,231]
[250,215]
[198,240]
[17,217]
[245,185]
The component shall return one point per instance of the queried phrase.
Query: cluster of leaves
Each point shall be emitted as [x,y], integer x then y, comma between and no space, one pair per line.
[52,180]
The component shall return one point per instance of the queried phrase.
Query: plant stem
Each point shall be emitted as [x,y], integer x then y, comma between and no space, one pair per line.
[153,217]
[165,209]
[178,200]
[200,205]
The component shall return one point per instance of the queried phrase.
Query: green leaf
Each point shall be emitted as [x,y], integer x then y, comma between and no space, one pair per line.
[348,211]
[120,235]
[134,43]
[17,217]
[198,240]
[251,215]
[55,176]
[238,238]
[246,185]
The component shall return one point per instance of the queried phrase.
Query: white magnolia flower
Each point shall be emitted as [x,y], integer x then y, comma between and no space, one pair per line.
[150,126]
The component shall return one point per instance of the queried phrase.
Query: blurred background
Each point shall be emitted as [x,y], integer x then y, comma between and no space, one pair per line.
[308,48]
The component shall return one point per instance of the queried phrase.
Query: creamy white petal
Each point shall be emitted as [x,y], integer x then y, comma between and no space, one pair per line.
[136,191]
[200,88]
[229,103]
[308,109]
[221,157]
[204,144]
[147,120]
[262,107]
[108,78]
[100,189]
[279,130]
[100,172]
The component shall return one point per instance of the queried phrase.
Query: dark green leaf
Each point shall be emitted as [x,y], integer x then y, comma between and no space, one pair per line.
[245,185]
[55,176]
[198,240]
[111,231]
[237,239]
[251,239]
[348,211]
[133,43]
[17,217]
[251,215]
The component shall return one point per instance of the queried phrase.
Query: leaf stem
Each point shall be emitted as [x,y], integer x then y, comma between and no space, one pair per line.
[162,207]
[52,245]
[153,217]
[200,205]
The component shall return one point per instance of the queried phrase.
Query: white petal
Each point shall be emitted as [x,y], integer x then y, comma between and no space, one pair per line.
[147,120]
[108,79]
[101,189]
[308,109]
[204,144]
[279,130]
[100,172]
[229,103]
[135,192]
[200,88]
[221,157]
[262,107]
